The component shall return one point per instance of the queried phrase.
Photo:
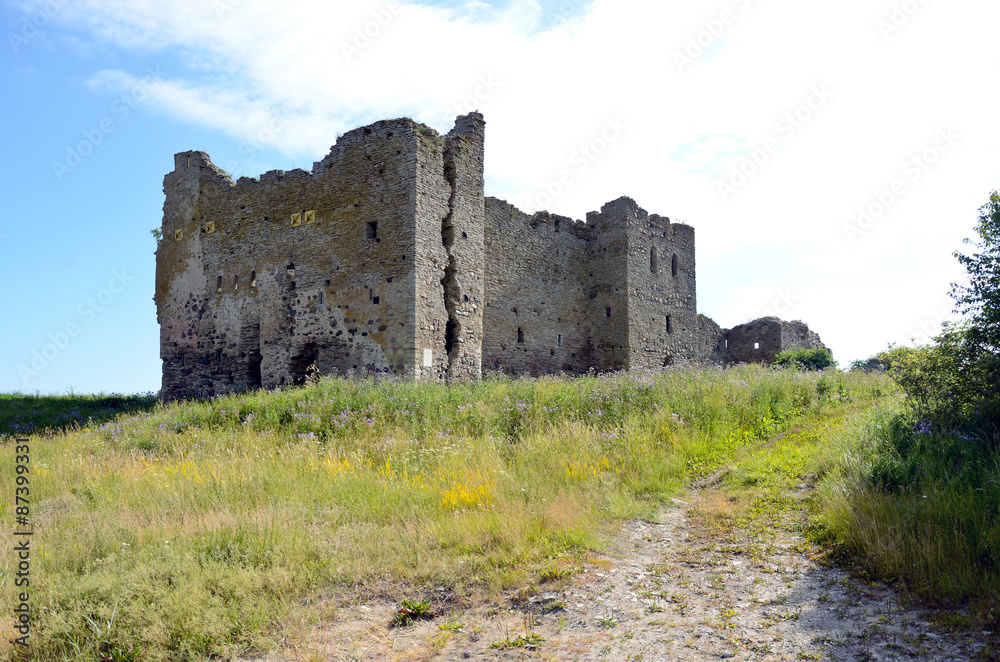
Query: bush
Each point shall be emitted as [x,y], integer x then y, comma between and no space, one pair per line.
[917,496]
[817,358]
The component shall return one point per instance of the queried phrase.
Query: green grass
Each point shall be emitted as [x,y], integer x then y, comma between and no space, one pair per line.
[22,414]
[919,508]
[193,530]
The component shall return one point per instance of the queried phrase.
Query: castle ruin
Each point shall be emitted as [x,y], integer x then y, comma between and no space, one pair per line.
[389,258]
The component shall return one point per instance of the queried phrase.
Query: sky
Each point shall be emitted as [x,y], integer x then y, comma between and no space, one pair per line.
[831,156]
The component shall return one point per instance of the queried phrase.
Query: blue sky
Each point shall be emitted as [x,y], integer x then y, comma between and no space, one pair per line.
[769,126]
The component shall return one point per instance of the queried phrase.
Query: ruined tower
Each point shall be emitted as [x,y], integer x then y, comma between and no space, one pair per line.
[366,263]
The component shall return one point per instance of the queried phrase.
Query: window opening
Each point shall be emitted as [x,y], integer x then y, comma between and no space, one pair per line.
[673,265]
[520,335]
[373,229]
[559,340]
[652,260]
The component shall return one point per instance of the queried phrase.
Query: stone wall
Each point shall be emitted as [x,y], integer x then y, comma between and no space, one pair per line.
[659,300]
[388,258]
[536,316]
[565,296]
[260,281]
[712,343]
[761,340]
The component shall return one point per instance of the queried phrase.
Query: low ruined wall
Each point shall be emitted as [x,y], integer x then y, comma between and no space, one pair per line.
[761,340]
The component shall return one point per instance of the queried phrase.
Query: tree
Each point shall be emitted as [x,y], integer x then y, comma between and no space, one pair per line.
[980,301]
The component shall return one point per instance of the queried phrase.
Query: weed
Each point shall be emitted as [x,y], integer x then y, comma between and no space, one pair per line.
[554,574]
[411,610]
[529,641]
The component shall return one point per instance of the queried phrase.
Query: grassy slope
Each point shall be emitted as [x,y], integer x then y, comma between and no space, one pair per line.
[927,519]
[204,523]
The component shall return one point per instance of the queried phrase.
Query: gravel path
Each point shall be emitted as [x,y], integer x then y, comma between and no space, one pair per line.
[715,577]
[682,588]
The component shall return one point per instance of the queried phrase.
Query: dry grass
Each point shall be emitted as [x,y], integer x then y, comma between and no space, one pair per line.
[209,523]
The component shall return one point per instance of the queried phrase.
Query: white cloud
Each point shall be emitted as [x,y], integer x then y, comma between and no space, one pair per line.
[557,88]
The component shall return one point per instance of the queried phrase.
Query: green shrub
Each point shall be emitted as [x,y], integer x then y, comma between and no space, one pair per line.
[816,358]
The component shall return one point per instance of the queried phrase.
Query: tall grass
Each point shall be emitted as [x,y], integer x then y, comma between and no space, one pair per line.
[920,507]
[193,530]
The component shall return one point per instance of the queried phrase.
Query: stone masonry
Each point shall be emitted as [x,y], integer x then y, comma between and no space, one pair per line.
[387,257]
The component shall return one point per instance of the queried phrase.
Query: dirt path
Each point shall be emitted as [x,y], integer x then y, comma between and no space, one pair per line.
[698,584]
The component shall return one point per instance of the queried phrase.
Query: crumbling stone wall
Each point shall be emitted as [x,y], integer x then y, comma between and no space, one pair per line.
[536,315]
[761,340]
[712,343]
[387,257]
[615,292]
[261,281]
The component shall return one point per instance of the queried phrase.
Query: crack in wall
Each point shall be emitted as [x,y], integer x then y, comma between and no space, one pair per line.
[449,282]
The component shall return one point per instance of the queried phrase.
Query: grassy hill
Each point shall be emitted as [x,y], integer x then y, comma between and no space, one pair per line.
[197,529]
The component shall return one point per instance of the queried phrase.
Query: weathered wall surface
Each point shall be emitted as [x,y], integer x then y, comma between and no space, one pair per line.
[536,316]
[608,294]
[711,341]
[259,280]
[388,258]
[659,296]
[761,340]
